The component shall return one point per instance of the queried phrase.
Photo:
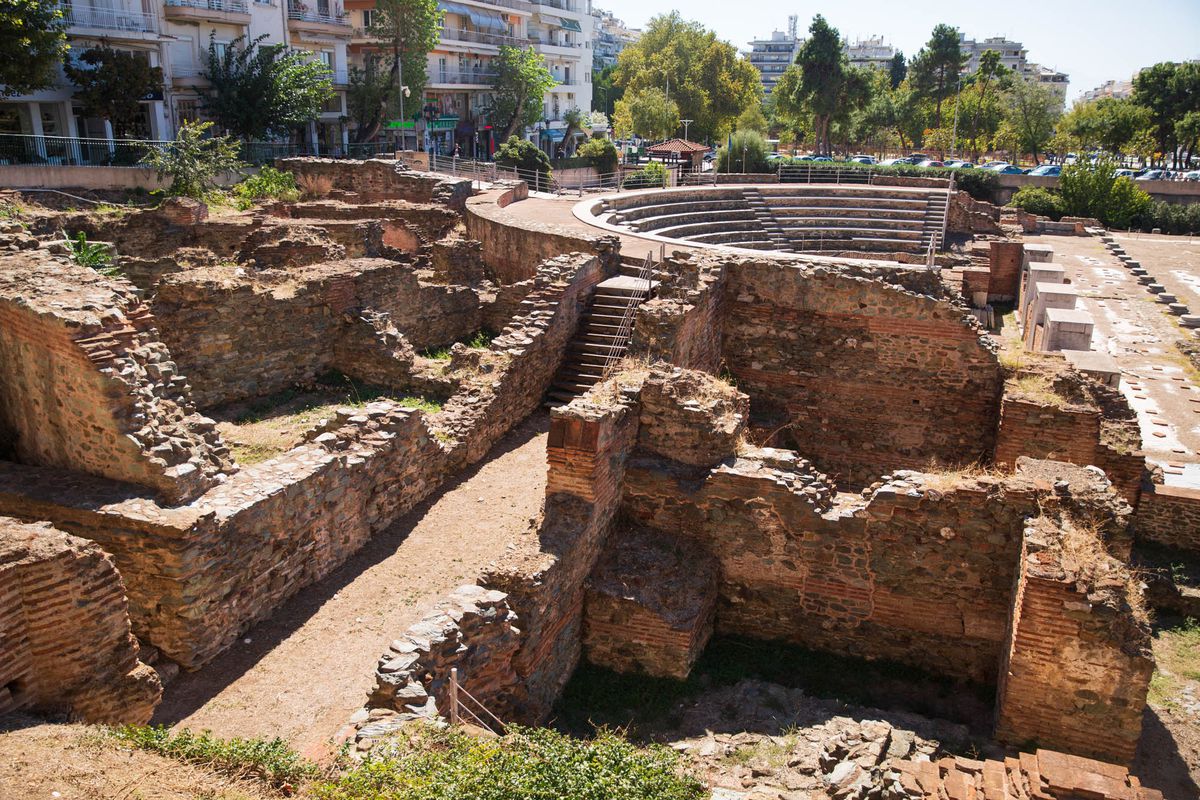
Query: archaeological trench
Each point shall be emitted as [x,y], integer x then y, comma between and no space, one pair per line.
[811,450]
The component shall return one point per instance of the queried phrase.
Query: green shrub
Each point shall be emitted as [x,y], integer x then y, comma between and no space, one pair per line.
[526,157]
[601,154]
[1036,200]
[1126,202]
[93,255]
[1090,189]
[269,183]
[747,152]
[1169,218]
[525,764]
[194,160]
[979,183]
[654,174]
[271,760]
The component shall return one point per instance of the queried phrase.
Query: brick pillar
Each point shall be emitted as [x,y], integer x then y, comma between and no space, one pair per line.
[1005,261]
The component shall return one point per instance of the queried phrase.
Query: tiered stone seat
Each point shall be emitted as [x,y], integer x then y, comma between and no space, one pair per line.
[795,217]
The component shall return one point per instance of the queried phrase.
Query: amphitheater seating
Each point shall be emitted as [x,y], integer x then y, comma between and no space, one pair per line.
[800,218]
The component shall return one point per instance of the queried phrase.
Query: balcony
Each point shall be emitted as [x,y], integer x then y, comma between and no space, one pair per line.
[464,78]
[515,5]
[323,17]
[561,5]
[134,24]
[555,43]
[236,12]
[460,35]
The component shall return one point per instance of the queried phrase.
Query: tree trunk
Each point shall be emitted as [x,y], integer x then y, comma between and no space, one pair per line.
[511,128]
[377,119]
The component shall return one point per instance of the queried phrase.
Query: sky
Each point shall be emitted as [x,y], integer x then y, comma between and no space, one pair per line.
[1091,40]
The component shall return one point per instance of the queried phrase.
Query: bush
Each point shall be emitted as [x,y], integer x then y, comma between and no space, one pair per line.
[194,160]
[1126,202]
[1035,200]
[979,183]
[601,154]
[525,764]
[1089,189]
[749,154]
[526,157]
[1169,218]
[269,183]
[653,174]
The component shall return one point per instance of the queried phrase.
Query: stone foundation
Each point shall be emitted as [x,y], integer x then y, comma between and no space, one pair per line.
[65,642]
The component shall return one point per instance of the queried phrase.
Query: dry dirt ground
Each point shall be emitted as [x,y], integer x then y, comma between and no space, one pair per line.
[301,673]
[45,761]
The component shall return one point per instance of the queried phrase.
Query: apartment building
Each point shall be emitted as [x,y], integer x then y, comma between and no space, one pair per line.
[175,35]
[772,56]
[869,52]
[1015,57]
[612,36]
[455,108]
[1118,90]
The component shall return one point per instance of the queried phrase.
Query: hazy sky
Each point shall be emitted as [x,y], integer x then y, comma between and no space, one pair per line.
[1090,40]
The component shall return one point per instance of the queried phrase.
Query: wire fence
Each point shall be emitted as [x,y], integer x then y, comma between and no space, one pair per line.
[95,152]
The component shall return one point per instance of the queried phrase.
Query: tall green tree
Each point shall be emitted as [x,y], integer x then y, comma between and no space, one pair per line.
[410,28]
[263,91]
[195,160]
[1170,92]
[897,70]
[990,75]
[1108,123]
[111,84]
[605,93]
[33,41]
[828,84]
[1032,110]
[522,81]
[936,69]
[367,94]
[646,112]
[706,78]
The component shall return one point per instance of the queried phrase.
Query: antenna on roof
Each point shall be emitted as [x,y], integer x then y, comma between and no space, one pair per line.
[793,21]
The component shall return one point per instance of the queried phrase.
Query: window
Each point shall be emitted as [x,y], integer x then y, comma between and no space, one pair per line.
[368,17]
[187,110]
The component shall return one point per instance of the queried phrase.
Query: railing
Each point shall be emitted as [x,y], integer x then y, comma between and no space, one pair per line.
[299,11]
[625,329]
[489,171]
[479,37]
[519,5]
[821,174]
[473,711]
[457,78]
[566,82]
[227,6]
[562,5]
[187,71]
[109,19]
[551,43]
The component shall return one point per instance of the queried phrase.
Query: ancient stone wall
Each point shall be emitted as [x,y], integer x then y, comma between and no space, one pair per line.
[683,322]
[864,377]
[1077,665]
[513,246]
[1169,515]
[199,574]
[86,385]
[65,642]
[240,335]
[1005,261]
[378,179]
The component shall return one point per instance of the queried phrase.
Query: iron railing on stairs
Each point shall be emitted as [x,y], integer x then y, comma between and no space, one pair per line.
[625,330]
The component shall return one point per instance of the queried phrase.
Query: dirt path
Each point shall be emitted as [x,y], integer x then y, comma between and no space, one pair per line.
[300,674]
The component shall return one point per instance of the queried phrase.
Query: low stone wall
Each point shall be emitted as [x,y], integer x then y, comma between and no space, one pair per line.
[1078,662]
[200,574]
[1169,515]
[381,179]
[65,642]
[513,246]
[86,385]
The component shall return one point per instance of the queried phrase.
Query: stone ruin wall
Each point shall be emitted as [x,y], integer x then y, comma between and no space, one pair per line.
[376,179]
[1170,516]
[65,641]
[199,574]
[85,383]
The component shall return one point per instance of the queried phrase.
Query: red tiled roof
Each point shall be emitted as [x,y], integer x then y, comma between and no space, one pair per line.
[676,146]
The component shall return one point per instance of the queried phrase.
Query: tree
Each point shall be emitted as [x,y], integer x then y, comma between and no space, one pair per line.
[366,97]
[33,41]
[1033,110]
[990,73]
[261,92]
[710,83]
[646,112]
[604,93]
[748,153]
[788,114]
[411,29]
[1169,92]
[111,84]
[522,81]
[526,157]
[1107,123]
[194,161]
[935,70]
[752,119]
[574,119]
[1187,132]
[1090,189]
[897,70]
[602,153]
[828,84]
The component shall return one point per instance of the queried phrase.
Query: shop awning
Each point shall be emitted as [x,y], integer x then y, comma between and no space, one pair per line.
[570,24]
[554,134]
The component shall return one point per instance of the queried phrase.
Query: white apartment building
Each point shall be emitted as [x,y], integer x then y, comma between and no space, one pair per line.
[1118,90]
[612,36]
[772,56]
[870,52]
[1014,56]
[461,70]
[175,35]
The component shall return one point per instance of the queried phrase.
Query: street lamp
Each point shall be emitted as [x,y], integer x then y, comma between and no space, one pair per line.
[685,122]
[404,92]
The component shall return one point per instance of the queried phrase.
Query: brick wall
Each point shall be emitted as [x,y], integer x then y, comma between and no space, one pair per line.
[1169,515]
[65,642]
[1041,430]
[86,385]
[1078,664]
[860,375]
[1005,262]
[382,179]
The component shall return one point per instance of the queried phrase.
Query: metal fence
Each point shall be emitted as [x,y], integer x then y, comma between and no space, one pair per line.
[489,171]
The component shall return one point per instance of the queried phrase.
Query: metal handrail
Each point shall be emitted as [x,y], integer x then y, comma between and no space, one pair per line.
[625,329]
[228,6]
[109,19]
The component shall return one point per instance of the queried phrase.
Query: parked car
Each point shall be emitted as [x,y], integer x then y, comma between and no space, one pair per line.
[931,163]
[917,158]
[891,162]
[994,164]
[958,163]
[1194,175]
[822,158]
[1007,169]
[1124,173]
[1153,175]
[863,159]
[1047,171]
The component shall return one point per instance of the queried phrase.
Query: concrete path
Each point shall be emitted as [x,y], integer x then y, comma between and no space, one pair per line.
[300,674]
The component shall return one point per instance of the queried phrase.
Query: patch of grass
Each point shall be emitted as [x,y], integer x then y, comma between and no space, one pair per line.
[524,764]
[1036,389]
[436,353]
[250,453]
[480,340]
[269,760]
[1177,657]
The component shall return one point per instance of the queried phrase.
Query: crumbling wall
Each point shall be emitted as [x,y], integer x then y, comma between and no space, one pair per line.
[1077,664]
[1169,515]
[683,322]
[376,179]
[243,335]
[862,376]
[65,642]
[86,385]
